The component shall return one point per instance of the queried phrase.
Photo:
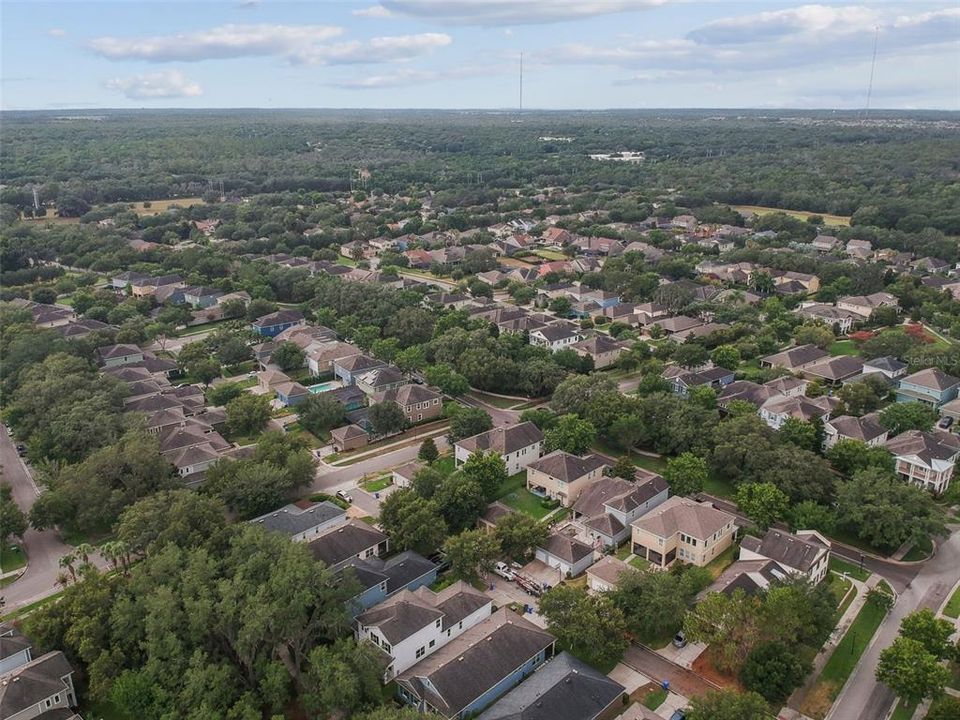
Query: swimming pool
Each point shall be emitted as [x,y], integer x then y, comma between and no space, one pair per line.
[324,386]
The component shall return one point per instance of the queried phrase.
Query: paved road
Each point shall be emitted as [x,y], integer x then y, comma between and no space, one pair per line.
[44,549]
[656,667]
[330,479]
[863,696]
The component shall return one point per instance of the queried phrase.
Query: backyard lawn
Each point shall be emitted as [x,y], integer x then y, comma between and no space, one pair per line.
[523,500]
[655,698]
[722,561]
[641,564]
[843,347]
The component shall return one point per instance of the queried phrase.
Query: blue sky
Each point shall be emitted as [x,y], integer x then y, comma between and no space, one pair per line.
[465,53]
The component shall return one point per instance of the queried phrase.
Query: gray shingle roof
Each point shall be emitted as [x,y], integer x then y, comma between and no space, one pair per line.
[566,548]
[292,519]
[343,542]
[786,548]
[503,440]
[564,466]
[33,682]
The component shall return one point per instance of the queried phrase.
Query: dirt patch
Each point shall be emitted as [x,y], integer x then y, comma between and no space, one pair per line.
[704,667]
[819,700]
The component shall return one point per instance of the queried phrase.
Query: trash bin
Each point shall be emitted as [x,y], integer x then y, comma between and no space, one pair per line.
[666,685]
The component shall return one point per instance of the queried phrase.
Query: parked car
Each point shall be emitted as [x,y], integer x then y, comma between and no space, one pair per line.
[504,571]
[680,639]
[945,422]
[21,449]
[345,496]
[679,715]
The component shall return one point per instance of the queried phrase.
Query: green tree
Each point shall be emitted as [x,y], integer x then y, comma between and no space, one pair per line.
[413,522]
[223,393]
[690,355]
[471,554]
[342,678]
[944,708]
[543,418]
[903,416]
[248,414]
[180,517]
[930,631]
[519,534]
[488,470]
[774,670]
[446,378]
[461,501]
[205,370]
[686,474]
[428,451]
[764,503]
[726,356]
[799,432]
[850,456]
[589,626]
[818,335]
[907,668]
[13,523]
[571,434]
[467,422]
[731,624]
[728,705]
[321,412]
[624,468]
[233,351]
[808,515]
[654,603]
[387,418]
[289,356]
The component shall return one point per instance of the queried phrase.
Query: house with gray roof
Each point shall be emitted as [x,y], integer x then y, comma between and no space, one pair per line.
[562,476]
[866,429]
[931,386]
[682,528]
[412,625]
[749,576]
[303,520]
[795,358]
[381,578]
[565,553]
[470,673]
[804,553]
[887,365]
[607,507]
[337,546]
[926,459]
[39,688]
[517,445]
[564,688]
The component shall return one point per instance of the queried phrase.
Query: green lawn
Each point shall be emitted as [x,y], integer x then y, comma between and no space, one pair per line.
[297,430]
[641,564]
[493,400]
[842,566]
[843,347]
[722,561]
[655,698]
[847,653]
[446,464]
[12,557]
[511,484]
[719,487]
[952,608]
[904,711]
[379,484]
[843,591]
[27,609]
[954,681]
[623,552]
[525,501]
[920,551]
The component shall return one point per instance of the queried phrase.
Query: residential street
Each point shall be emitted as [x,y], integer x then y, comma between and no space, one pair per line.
[44,549]
[863,697]
[330,479]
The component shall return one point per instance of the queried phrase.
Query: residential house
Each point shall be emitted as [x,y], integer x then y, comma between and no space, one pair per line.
[15,648]
[402,476]
[951,410]
[273,324]
[825,243]
[76,329]
[834,370]
[379,380]
[842,320]
[348,368]
[471,672]
[887,365]
[866,429]
[604,574]
[39,688]
[348,437]
[127,279]
[678,323]
[115,355]
[381,578]
[158,287]
[562,476]
[683,381]
[290,394]
[864,305]
[926,459]
[602,349]
[787,282]
[556,237]
[419,403]
[931,386]
[494,513]
[778,408]
[646,313]
[201,297]
[804,553]
[565,553]
[751,577]
[517,445]
[795,358]
[303,520]
[350,396]
[696,533]
[606,508]
[412,625]
[931,265]
[267,380]
[556,337]
[565,688]
[860,249]
[320,357]
[338,545]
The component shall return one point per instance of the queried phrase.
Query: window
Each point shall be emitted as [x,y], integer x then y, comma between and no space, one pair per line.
[432,643]
[421,651]
[386,646]
[438,623]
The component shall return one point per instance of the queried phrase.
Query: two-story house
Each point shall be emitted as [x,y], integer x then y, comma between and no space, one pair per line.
[303,520]
[866,429]
[337,546]
[33,687]
[602,349]
[116,355]
[795,358]
[777,409]
[273,324]
[412,625]
[517,445]
[417,402]
[805,553]
[931,386]
[471,672]
[682,528]
[608,507]
[864,305]
[926,459]
[380,578]
[562,476]
[348,368]
[556,337]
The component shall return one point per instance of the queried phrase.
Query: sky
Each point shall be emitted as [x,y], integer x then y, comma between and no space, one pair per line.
[583,54]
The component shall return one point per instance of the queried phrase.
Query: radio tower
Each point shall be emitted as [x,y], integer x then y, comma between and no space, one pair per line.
[873,65]
[520,112]
[36,199]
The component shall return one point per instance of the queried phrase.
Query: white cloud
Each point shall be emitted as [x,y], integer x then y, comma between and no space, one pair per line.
[156,86]
[512,12]
[57,32]
[226,41]
[374,11]
[808,19]
[406,77]
[376,50]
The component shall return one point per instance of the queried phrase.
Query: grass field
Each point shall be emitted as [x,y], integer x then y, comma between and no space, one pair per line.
[904,711]
[641,564]
[952,608]
[551,254]
[843,347]
[12,557]
[526,502]
[722,561]
[379,484]
[719,487]
[842,566]
[159,206]
[920,551]
[655,698]
[847,653]
[494,401]
[799,214]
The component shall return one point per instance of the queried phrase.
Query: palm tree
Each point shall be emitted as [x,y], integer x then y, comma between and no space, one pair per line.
[109,551]
[63,579]
[84,551]
[67,562]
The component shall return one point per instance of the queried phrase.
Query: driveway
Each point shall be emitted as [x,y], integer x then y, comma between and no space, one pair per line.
[656,667]
[863,696]
[44,549]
